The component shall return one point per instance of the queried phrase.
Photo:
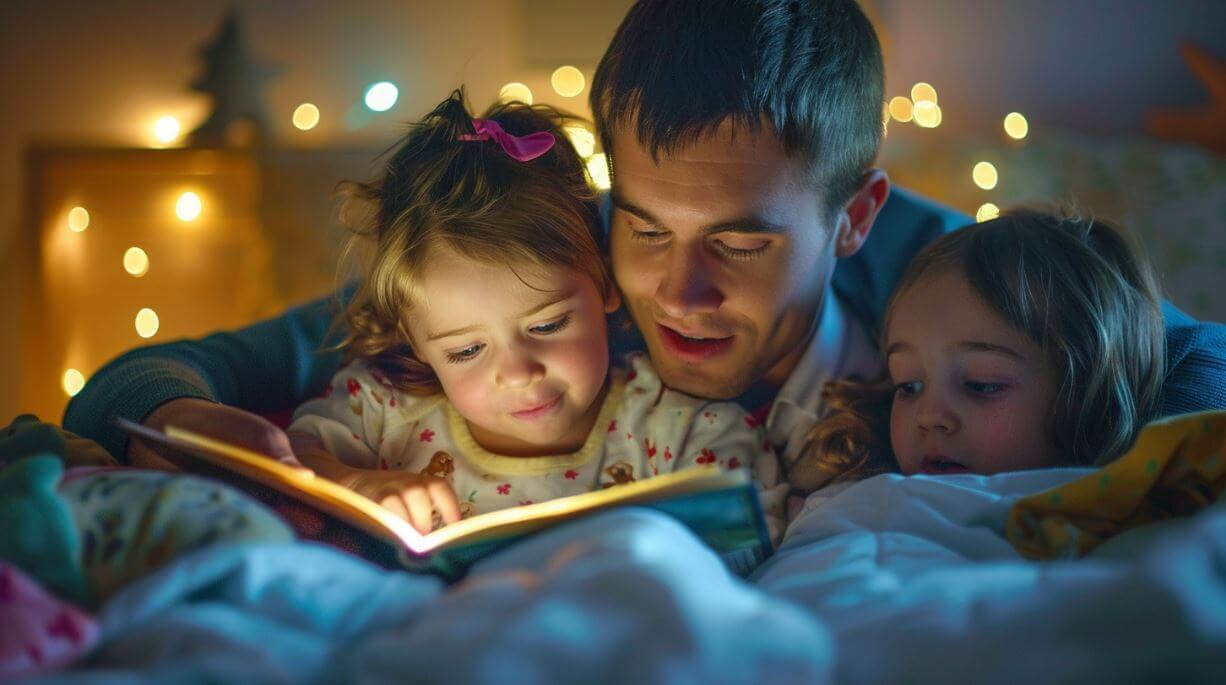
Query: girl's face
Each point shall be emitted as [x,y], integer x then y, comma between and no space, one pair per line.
[972,394]
[523,358]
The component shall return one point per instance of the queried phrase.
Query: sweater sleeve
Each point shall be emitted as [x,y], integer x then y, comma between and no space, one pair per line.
[268,366]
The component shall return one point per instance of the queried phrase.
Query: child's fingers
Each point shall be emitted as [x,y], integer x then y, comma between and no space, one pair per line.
[421,510]
[444,500]
[395,504]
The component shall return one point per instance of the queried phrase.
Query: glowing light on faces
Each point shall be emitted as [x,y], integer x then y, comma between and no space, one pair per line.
[598,171]
[987,212]
[1016,126]
[381,96]
[188,207]
[78,219]
[583,140]
[306,116]
[73,381]
[147,323]
[166,130]
[923,92]
[985,176]
[136,262]
[515,91]
[927,114]
[901,109]
[567,81]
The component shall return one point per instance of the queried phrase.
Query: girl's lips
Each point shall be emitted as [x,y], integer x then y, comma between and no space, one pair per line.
[692,350]
[941,465]
[538,411]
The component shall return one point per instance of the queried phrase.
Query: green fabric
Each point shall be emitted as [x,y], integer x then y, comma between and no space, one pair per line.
[39,535]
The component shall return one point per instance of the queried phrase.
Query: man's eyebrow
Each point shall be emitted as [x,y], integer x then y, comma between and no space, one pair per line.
[745,225]
[566,295]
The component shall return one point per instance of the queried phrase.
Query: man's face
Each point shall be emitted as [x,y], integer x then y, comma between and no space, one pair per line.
[722,251]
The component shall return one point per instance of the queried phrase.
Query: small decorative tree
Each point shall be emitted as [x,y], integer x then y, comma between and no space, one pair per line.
[234,80]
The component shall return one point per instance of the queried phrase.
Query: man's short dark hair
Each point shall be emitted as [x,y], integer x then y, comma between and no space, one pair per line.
[676,69]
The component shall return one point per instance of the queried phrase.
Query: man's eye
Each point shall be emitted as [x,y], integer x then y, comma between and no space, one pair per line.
[985,388]
[552,326]
[907,389]
[740,248]
[465,354]
[649,237]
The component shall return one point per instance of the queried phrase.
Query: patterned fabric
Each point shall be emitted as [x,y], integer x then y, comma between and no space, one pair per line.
[1176,468]
[38,632]
[643,430]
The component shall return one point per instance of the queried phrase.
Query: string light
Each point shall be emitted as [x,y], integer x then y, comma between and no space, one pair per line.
[901,109]
[73,381]
[567,81]
[985,176]
[923,92]
[515,91]
[188,207]
[166,129]
[1016,125]
[78,219]
[582,139]
[381,96]
[927,114]
[598,170]
[146,323]
[306,116]
[987,212]
[136,262]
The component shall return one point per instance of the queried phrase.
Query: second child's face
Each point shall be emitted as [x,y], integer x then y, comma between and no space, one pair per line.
[522,354]
[972,394]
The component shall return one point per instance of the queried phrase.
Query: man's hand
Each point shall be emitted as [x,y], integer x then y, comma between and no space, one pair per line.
[213,420]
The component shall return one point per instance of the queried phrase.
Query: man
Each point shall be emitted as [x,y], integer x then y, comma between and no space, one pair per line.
[741,136]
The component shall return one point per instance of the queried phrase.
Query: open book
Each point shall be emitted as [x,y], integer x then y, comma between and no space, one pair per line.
[720,507]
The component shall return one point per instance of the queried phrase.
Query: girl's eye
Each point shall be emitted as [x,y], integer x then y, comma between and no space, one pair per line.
[985,388]
[907,389]
[465,354]
[552,327]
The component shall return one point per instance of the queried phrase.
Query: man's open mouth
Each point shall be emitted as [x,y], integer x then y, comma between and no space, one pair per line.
[693,348]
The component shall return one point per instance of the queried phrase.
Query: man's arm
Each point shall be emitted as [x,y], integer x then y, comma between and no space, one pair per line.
[268,366]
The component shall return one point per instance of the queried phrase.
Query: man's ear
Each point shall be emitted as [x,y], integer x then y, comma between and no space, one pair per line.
[858,214]
[613,301]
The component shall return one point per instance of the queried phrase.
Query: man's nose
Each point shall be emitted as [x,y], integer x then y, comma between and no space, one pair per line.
[518,368]
[688,286]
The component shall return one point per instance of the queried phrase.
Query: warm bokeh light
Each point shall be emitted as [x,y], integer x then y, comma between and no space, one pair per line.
[78,219]
[146,323]
[73,381]
[188,207]
[136,262]
[306,116]
[381,96]
[923,92]
[567,81]
[927,114]
[516,91]
[583,140]
[166,129]
[598,170]
[987,211]
[1016,125]
[984,175]
[900,109]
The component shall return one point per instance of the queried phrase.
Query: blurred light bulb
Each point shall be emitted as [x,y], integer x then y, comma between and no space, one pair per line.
[567,81]
[188,207]
[515,91]
[985,176]
[73,381]
[306,116]
[136,262]
[1016,125]
[146,323]
[923,92]
[78,219]
[166,129]
[927,114]
[598,170]
[987,212]
[381,96]
[901,109]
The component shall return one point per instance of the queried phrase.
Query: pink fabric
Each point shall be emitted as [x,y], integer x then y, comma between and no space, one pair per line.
[37,631]
[522,148]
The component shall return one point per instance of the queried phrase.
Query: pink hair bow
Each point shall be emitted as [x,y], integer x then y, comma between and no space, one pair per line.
[522,148]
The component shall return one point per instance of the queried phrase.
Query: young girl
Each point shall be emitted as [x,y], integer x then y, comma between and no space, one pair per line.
[479,371]
[1023,342]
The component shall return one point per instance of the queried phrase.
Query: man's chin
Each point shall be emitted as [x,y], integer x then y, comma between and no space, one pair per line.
[723,380]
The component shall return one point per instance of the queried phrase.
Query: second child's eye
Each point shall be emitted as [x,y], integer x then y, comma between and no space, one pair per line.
[907,389]
[985,388]
[465,354]
[552,326]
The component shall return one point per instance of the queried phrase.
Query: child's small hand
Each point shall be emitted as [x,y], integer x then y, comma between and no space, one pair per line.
[412,496]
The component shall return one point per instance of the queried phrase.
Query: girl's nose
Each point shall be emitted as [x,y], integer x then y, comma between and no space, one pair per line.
[517,370]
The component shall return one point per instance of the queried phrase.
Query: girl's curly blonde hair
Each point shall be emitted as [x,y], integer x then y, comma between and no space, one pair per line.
[1078,288]
[471,197]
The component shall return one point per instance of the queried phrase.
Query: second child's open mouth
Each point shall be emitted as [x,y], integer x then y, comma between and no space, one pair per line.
[942,465]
